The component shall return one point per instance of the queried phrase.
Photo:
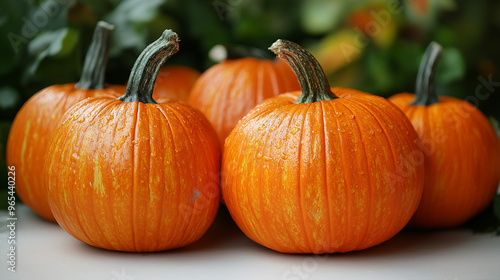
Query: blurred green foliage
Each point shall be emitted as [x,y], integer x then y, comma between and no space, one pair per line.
[370,45]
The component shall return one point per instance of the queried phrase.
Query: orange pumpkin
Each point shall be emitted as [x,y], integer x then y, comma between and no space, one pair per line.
[175,81]
[323,170]
[131,174]
[228,90]
[28,136]
[462,151]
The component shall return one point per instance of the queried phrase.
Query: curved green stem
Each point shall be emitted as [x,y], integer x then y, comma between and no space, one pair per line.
[221,53]
[425,92]
[147,66]
[312,79]
[94,67]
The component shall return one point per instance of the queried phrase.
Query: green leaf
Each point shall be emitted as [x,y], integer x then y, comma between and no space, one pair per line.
[321,16]
[130,19]
[13,43]
[496,125]
[9,98]
[451,66]
[56,44]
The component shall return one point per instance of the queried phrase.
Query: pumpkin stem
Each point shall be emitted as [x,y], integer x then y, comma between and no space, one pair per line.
[94,67]
[312,79]
[147,66]
[425,92]
[221,53]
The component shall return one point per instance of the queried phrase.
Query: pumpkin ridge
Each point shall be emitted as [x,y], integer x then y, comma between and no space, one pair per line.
[362,140]
[299,185]
[104,104]
[272,120]
[259,97]
[168,125]
[225,103]
[463,154]
[325,159]
[188,223]
[100,226]
[164,125]
[81,129]
[134,173]
[391,148]
[151,128]
[470,120]
[347,183]
[415,165]
[114,129]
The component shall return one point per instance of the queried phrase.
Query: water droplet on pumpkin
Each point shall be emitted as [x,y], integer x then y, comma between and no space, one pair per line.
[284,156]
[168,161]
[259,155]
[338,114]
[294,130]
[390,126]
[379,130]
[370,132]
[278,144]
[351,117]
[75,156]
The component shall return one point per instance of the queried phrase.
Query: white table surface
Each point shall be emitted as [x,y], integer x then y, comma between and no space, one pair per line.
[45,251]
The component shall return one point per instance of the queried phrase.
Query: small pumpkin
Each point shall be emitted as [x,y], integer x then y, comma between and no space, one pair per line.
[229,89]
[175,81]
[37,118]
[131,174]
[462,151]
[323,170]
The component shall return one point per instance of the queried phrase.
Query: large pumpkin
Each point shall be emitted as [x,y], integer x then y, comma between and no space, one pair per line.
[131,174]
[28,137]
[228,90]
[175,82]
[323,170]
[462,151]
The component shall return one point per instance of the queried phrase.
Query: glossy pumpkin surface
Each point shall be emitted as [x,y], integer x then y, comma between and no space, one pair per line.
[131,174]
[28,138]
[229,90]
[461,148]
[323,170]
[175,82]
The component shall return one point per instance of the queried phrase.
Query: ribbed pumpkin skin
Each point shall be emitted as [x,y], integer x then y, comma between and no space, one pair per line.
[462,160]
[133,176]
[322,177]
[229,90]
[29,135]
[175,82]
